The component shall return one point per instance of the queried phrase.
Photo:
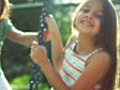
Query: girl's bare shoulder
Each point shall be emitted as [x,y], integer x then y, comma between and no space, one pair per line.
[71,40]
[100,57]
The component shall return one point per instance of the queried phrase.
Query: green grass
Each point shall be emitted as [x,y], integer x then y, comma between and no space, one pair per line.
[21,80]
[22,83]
[25,87]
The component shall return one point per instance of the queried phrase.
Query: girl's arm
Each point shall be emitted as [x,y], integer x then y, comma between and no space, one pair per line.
[25,38]
[95,71]
[17,35]
[39,56]
[56,43]
[71,40]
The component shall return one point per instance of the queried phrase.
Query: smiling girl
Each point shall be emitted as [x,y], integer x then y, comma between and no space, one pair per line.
[88,62]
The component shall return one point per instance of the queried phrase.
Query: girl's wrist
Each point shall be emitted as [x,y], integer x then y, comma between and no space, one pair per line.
[45,65]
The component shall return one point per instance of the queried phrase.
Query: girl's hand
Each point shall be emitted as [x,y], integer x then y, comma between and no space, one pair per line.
[38,54]
[52,26]
[47,35]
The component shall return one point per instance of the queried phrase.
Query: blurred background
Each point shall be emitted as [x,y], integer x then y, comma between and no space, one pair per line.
[25,16]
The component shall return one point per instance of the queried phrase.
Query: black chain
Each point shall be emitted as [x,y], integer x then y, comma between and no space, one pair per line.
[35,70]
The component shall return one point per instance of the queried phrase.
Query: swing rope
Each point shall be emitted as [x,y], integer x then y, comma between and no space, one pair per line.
[35,70]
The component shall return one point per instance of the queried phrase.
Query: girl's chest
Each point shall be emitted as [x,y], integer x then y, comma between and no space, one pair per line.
[74,61]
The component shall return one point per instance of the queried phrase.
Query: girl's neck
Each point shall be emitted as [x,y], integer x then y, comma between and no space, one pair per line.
[85,45]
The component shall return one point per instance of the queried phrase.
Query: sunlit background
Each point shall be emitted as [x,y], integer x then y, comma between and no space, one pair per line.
[68,1]
[25,16]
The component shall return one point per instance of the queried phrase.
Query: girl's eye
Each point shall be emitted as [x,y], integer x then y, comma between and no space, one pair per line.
[98,16]
[86,10]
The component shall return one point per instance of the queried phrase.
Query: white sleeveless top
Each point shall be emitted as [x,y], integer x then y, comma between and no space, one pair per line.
[74,65]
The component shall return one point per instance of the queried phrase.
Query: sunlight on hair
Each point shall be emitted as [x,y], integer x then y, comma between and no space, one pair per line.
[71,1]
[117,86]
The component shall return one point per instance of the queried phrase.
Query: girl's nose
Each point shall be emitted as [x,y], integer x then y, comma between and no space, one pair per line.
[89,15]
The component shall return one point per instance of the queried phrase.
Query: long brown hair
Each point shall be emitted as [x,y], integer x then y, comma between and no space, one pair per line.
[107,39]
[5,9]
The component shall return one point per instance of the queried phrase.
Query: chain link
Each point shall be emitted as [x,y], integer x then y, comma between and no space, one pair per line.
[35,70]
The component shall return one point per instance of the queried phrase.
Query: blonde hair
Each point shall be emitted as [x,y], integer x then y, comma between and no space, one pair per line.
[117,82]
[5,9]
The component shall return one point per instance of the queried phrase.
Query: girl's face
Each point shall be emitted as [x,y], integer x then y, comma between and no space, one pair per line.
[88,20]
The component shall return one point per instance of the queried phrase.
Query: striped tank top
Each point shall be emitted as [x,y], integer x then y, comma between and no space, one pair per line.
[73,66]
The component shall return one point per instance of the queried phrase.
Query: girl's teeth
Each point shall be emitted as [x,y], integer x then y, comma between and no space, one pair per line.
[86,23]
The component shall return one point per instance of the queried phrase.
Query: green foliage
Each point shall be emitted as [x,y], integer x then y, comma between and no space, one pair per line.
[21,80]
[62,15]
[16,62]
[15,58]
[116,1]
[21,83]
[18,1]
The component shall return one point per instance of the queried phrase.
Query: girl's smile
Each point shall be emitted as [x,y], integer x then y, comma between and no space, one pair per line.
[87,23]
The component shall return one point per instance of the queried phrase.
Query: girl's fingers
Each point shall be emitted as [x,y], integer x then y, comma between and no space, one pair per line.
[34,47]
[46,19]
[50,16]
[46,32]
[34,43]
[47,36]
[41,17]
